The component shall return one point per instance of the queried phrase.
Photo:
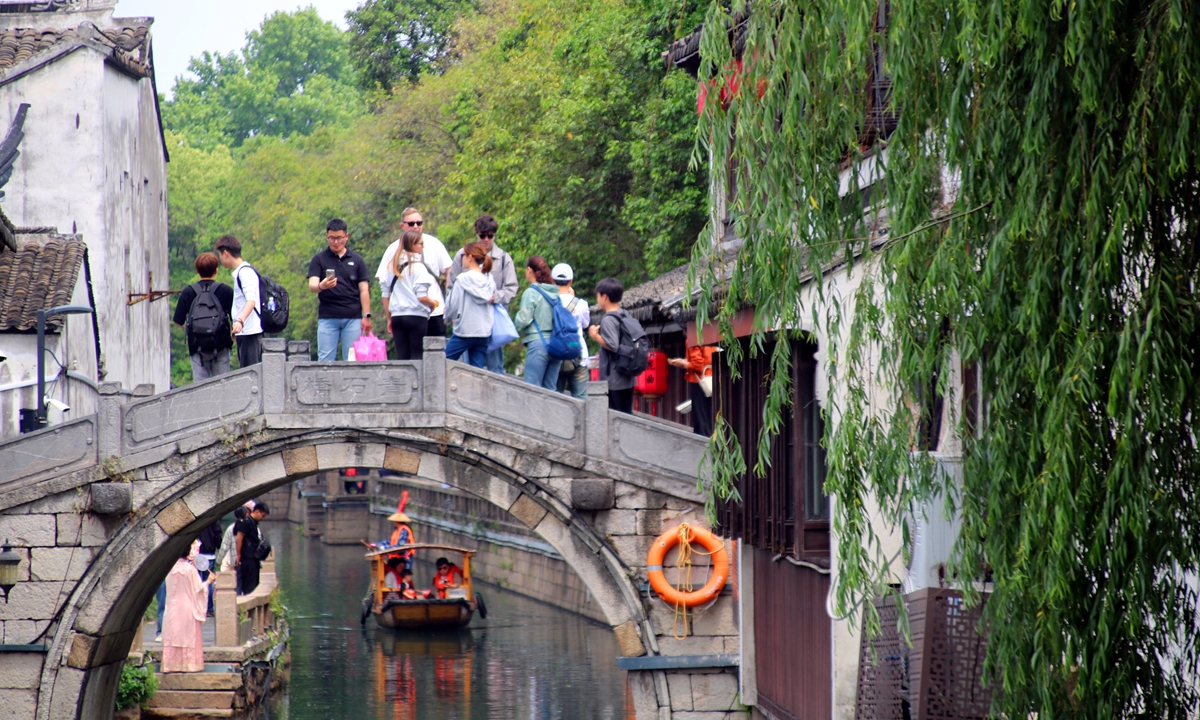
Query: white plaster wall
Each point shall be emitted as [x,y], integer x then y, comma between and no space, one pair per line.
[92,163]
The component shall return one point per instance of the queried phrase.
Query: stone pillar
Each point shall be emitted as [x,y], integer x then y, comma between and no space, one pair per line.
[225,604]
[109,420]
[595,420]
[433,375]
[274,375]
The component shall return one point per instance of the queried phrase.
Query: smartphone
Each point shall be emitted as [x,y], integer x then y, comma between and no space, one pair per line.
[329,273]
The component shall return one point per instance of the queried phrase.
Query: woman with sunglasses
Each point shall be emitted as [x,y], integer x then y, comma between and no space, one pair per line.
[469,307]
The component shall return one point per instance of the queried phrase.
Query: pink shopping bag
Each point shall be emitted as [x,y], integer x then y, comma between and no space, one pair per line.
[369,348]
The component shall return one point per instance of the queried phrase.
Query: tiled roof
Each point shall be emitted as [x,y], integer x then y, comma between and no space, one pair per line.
[128,46]
[37,277]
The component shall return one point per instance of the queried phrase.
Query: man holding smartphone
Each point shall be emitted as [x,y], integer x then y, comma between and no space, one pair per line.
[339,278]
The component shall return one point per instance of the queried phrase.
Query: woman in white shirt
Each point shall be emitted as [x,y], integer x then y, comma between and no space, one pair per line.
[406,293]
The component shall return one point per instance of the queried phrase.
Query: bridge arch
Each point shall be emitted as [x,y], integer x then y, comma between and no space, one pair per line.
[99,619]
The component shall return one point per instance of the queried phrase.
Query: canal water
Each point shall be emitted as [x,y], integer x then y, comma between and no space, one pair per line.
[525,661]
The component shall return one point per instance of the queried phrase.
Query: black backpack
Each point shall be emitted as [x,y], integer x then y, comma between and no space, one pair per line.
[207,322]
[274,301]
[263,549]
[633,352]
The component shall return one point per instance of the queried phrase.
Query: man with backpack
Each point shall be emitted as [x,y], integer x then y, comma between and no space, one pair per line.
[247,325]
[624,347]
[204,309]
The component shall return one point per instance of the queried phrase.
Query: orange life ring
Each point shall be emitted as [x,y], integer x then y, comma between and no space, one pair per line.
[716,579]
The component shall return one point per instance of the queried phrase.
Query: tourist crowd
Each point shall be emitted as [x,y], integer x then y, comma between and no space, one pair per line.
[425,292]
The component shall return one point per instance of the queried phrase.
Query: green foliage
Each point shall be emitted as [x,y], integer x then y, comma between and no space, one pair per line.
[395,41]
[557,118]
[137,685]
[293,76]
[1054,143]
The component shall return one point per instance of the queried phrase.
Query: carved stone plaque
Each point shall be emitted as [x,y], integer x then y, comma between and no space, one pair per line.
[354,384]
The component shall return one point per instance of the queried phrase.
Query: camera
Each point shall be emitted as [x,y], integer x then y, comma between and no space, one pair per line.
[58,405]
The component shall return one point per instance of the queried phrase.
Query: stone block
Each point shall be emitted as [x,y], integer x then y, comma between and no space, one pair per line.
[346,455]
[698,715]
[532,465]
[628,639]
[32,600]
[502,492]
[67,526]
[301,461]
[718,619]
[68,691]
[21,671]
[592,493]
[714,691]
[302,348]
[112,498]
[24,632]
[29,530]
[680,686]
[18,704]
[263,471]
[94,530]
[631,549]
[175,517]
[274,345]
[59,563]
[641,687]
[72,501]
[401,460]
[668,645]
[616,522]
[528,511]
[649,522]
[639,499]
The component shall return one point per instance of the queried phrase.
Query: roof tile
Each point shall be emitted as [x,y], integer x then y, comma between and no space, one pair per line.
[37,277]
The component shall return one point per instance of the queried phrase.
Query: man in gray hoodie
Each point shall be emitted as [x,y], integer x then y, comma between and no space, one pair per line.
[503,273]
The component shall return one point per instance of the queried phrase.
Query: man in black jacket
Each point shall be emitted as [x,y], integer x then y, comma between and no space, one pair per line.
[210,353]
[246,535]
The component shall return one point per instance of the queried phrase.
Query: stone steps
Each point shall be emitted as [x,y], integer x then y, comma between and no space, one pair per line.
[201,681]
[192,700]
[151,713]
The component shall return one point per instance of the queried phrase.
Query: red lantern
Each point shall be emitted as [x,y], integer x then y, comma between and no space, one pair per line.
[653,380]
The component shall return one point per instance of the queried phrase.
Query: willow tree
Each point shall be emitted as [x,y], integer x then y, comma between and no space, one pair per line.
[1060,259]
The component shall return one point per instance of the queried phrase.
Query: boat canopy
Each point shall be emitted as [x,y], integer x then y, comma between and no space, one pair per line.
[388,550]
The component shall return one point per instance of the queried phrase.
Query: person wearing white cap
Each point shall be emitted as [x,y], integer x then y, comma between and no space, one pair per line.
[573,375]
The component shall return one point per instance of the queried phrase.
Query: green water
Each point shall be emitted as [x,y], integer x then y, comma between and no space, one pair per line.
[526,660]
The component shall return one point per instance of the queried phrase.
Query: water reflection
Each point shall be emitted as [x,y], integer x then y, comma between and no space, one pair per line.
[527,660]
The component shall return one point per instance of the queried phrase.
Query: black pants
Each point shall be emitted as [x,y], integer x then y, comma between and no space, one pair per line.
[621,400]
[702,420]
[249,349]
[408,333]
[437,326]
[247,572]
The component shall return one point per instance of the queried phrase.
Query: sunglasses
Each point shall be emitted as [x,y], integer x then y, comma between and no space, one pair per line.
[487,236]
[413,223]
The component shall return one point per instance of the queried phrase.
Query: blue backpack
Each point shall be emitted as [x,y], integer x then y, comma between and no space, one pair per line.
[564,338]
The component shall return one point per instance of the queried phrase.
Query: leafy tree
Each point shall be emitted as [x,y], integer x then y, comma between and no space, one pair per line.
[293,75]
[400,40]
[1042,195]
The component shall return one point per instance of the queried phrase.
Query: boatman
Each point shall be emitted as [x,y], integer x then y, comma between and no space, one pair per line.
[446,577]
[402,534]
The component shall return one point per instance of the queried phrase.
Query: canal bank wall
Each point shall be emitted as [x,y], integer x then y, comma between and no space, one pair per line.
[508,555]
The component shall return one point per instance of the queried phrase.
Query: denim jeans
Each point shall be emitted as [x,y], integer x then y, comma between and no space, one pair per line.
[330,331]
[540,369]
[495,361]
[574,382]
[161,596]
[475,348]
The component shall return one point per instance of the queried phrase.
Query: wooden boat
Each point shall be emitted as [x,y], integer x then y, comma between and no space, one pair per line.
[392,611]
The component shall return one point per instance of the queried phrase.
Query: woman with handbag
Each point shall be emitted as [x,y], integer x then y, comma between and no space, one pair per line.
[410,293]
[698,365]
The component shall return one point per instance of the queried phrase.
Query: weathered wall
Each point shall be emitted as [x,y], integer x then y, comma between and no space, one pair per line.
[92,163]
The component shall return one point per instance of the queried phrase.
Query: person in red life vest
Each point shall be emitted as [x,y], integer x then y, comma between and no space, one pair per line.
[408,590]
[448,576]
[393,578]
[402,534]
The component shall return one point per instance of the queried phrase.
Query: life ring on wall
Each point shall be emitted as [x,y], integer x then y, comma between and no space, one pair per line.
[688,534]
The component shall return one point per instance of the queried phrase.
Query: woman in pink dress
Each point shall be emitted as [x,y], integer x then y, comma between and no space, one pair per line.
[187,605]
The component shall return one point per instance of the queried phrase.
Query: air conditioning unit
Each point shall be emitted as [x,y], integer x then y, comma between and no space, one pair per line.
[934,535]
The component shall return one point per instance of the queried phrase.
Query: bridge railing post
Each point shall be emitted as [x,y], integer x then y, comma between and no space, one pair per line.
[595,420]
[226,609]
[108,417]
[433,374]
[274,375]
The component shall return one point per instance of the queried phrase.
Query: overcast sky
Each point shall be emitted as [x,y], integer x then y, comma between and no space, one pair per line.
[183,29]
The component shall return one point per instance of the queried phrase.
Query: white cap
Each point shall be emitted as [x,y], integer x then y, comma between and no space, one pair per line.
[562,273]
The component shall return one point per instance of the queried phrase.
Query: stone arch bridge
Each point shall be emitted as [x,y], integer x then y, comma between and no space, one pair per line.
[100,507]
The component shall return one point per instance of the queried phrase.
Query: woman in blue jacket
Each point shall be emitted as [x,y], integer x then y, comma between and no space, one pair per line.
[535,323]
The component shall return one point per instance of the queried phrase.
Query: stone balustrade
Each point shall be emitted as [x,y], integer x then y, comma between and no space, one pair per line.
[255,607]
